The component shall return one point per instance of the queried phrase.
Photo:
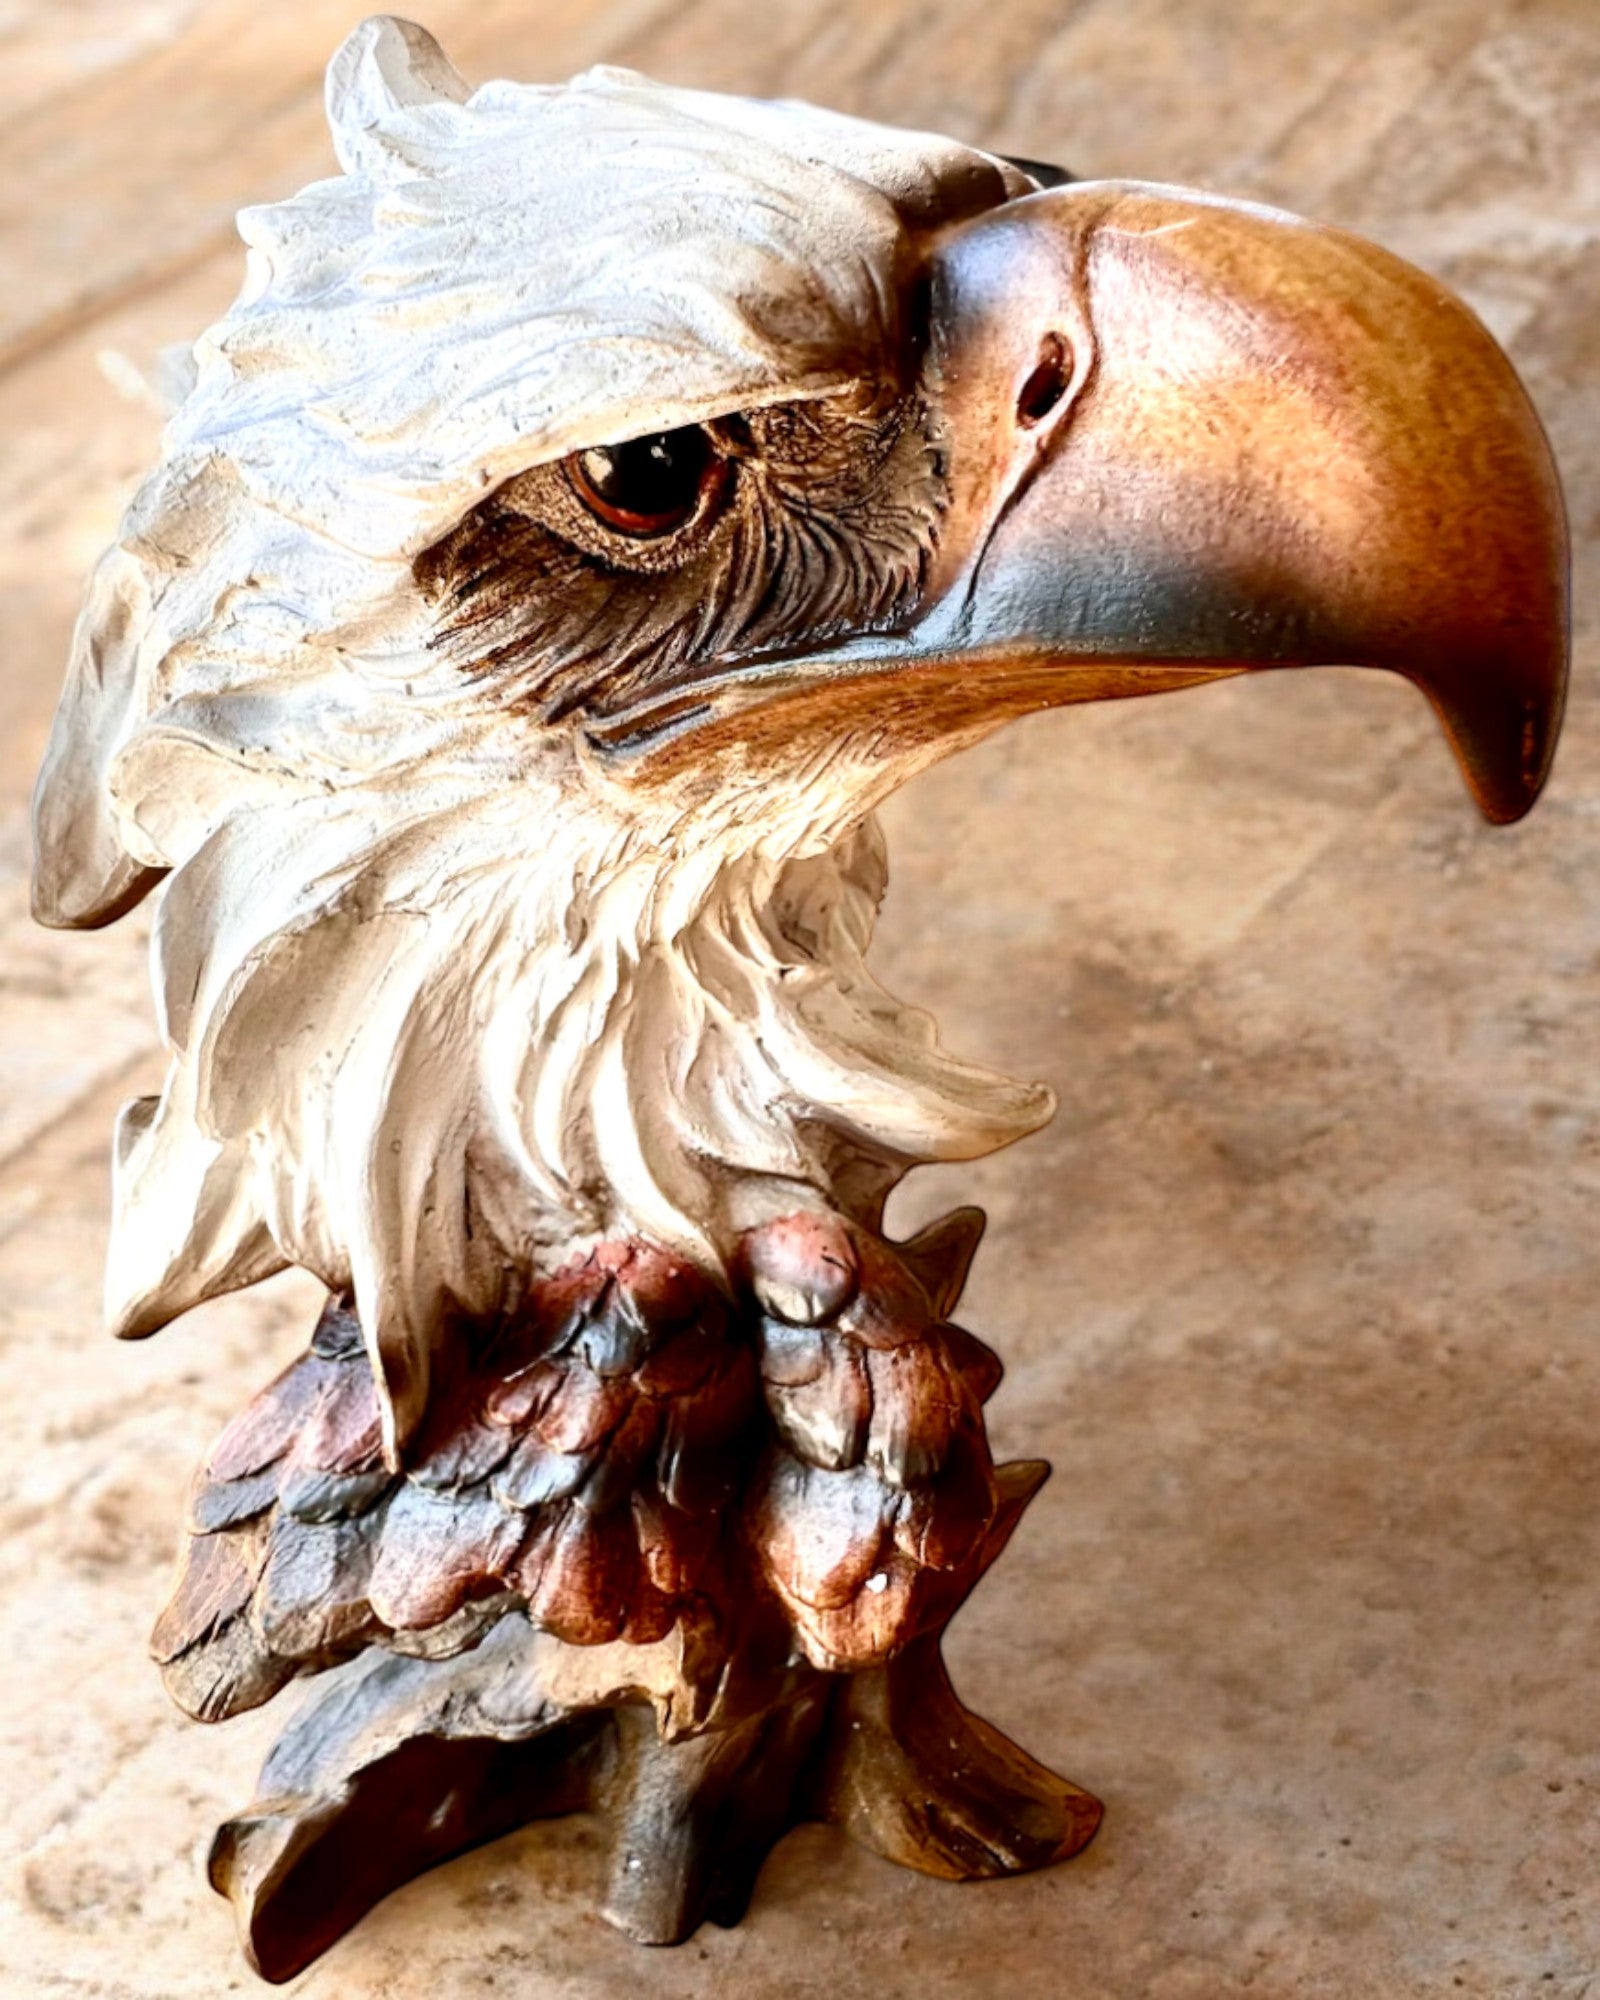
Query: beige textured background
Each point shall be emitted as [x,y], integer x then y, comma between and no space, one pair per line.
[1298,1292]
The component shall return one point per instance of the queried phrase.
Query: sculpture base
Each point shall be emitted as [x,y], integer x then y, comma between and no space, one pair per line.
[400,1763]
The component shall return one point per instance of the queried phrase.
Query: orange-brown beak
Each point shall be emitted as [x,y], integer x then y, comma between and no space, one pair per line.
[1187,437]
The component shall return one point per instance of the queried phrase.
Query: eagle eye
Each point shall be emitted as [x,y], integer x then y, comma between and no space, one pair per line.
[650,485]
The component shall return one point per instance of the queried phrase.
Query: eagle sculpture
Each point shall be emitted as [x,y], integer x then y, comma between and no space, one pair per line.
[597,500]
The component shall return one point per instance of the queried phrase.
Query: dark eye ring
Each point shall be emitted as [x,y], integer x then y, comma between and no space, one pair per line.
[648,485]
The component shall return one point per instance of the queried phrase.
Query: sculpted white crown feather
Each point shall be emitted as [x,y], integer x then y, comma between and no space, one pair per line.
[443,997]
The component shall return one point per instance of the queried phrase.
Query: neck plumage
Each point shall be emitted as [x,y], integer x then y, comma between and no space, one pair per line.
[447,1063]
[709,1049]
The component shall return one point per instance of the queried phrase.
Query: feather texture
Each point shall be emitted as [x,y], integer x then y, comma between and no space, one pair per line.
[627,1452]
[577,1468]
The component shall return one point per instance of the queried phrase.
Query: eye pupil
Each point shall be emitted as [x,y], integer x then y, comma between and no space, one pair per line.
[649,485]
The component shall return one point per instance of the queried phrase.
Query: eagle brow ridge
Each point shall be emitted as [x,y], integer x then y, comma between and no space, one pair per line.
[827,521]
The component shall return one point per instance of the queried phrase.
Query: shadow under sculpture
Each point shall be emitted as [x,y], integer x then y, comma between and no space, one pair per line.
[598,500]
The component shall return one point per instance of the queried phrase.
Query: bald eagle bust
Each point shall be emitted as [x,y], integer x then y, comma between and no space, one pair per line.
[597,500]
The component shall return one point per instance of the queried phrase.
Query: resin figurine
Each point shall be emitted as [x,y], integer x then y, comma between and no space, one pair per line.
[598,499]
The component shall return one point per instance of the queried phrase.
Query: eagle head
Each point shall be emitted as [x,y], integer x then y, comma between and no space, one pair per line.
[597,499]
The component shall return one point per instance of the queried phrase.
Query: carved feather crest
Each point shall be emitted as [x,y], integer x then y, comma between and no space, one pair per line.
[440,1002]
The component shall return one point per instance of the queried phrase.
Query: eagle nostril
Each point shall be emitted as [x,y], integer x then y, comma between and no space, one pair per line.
[1047,384]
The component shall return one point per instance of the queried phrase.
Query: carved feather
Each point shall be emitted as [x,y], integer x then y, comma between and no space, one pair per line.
[575,1471]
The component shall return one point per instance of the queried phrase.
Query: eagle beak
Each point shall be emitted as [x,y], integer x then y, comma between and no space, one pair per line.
[1186,438]
[1189,437]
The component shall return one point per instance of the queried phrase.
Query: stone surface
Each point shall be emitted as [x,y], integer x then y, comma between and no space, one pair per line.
[1298,1291]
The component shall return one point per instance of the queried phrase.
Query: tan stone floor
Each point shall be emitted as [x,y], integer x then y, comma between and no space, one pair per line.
[1299,1292]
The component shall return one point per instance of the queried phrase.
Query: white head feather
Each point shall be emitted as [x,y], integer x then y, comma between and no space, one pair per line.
[443,1003]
